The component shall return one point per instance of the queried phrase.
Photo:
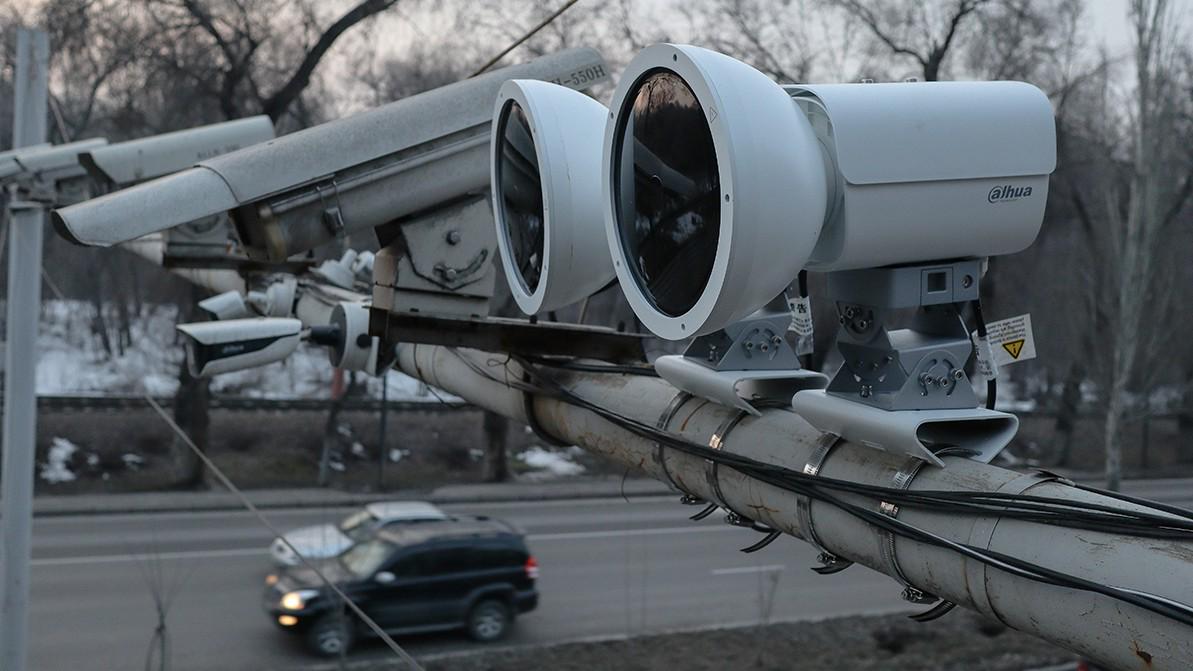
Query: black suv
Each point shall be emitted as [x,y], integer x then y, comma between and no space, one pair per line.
[462,572]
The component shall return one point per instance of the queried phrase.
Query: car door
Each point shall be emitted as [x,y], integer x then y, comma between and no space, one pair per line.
[405,601]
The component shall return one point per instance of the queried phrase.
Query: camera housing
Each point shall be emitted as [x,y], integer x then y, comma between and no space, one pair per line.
[50,174]
[123,164]
[304,189]
[722,185]
[237,344]
[546,184]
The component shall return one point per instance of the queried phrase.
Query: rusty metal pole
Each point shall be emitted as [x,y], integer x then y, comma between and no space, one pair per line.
[1112,633]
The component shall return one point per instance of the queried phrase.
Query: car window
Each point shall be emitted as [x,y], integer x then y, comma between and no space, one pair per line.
[413,564]
[363,559]
[358,525]
[461,558]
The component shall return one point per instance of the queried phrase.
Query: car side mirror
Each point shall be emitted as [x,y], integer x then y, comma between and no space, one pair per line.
[385,577]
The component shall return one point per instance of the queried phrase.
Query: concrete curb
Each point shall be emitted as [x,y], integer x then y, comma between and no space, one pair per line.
[272,499]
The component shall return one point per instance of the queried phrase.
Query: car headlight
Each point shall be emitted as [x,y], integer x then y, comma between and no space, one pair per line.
[297,600]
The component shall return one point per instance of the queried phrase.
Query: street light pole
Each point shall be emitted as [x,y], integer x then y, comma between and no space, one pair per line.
[26,221]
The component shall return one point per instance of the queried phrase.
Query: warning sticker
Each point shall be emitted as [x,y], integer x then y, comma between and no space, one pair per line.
[1009,341]
[801,323]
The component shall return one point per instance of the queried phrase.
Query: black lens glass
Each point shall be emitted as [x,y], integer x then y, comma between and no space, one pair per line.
[668,191]
[521,195]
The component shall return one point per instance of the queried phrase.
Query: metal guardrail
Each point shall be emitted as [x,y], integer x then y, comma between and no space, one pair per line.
[237,403]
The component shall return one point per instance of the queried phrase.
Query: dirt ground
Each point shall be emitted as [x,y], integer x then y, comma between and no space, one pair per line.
[958,642]
[259,449]
[262,449]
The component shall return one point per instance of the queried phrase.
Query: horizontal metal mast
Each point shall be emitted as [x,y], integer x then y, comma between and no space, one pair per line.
[1111,632]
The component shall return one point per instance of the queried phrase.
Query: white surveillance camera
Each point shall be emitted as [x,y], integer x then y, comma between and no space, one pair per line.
[50,174]
[277,300]
[238,344]
[546,163]
[228,305]
[720,185]
[8,159]
[305,189]
[351,347]
[126,163]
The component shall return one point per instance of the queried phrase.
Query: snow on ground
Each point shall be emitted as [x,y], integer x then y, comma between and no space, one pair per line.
[57,466]
[72,360]
[551,463]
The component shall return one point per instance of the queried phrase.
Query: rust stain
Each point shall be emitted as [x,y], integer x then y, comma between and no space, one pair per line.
[1141,653]
[762,508]
[684,426]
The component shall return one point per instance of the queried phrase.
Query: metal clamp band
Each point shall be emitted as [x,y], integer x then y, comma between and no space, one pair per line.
[886,540]
[717,442]
[532,419]
[982,533]
[803,505]
[665,421]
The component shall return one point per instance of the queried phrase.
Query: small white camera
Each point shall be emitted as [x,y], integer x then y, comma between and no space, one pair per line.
[720,185]
[546,165]
[227,305]
[50,174]
[238,344]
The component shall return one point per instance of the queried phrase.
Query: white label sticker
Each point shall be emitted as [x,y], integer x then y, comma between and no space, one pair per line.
[984,362]
[1010,341]
[801,323]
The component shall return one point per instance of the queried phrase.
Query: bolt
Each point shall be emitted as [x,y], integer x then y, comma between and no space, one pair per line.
[450,274]
[926,380]
[453,237]
[764,347]
[958,374]
[943,381]
[778,340]
[863,325]
[749,346]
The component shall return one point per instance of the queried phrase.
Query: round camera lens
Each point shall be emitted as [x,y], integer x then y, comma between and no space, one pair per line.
[668,191]
[521,195]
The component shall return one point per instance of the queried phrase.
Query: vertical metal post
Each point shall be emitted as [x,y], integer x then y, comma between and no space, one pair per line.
[26,221]
[381,430]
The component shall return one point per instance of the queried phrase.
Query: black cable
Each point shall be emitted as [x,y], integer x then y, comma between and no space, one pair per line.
[799,483]
[805,360]
[1058,512]
[572,363]
[991,383]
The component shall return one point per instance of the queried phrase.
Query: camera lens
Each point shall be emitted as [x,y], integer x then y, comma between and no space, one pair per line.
[669,201]
[521,195]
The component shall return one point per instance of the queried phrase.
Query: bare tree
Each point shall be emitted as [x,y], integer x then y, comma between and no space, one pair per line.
[923,32]
[1157,190]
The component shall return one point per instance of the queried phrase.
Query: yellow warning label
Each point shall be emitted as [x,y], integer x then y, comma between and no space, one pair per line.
[1014,347]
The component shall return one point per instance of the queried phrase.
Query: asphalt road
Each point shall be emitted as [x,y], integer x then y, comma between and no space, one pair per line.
[608,568]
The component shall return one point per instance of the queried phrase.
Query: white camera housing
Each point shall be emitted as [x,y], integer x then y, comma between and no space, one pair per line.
[546,183]
[302,190]
[125,163]
[820,177]
[356,349]
[929,171]
[226,305]
[238,344]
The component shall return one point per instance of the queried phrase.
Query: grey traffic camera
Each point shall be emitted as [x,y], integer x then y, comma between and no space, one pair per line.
[302,190]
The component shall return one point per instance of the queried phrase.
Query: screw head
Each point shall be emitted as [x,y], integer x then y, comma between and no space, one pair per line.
[453,237]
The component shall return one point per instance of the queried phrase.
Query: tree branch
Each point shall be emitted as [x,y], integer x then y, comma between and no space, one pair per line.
[280,101]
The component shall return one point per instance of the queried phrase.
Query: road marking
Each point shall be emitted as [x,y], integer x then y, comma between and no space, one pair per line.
[149,557]
[249,552]
[615,533]
[748,569]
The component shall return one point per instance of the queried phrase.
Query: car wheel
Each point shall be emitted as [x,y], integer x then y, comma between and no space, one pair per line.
[489,620]
[330,635]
